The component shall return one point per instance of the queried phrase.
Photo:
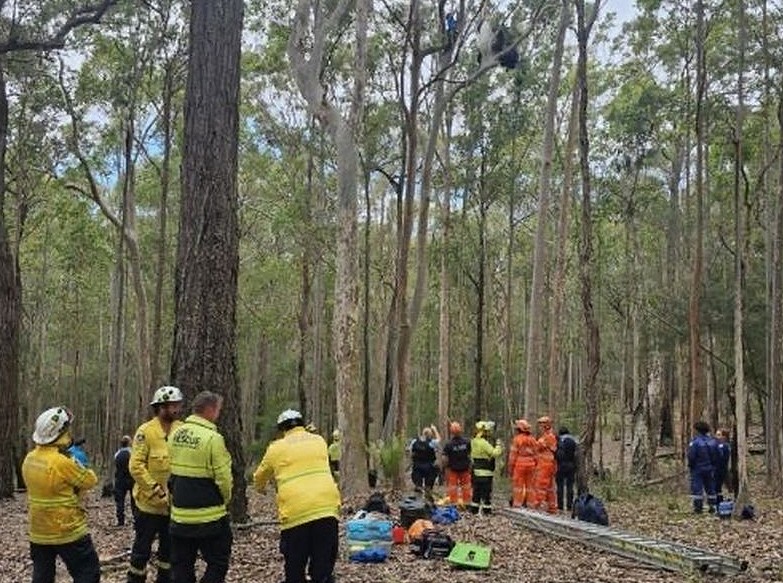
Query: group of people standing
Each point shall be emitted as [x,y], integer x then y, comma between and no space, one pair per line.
[708,463]
[180,473]
[535,463]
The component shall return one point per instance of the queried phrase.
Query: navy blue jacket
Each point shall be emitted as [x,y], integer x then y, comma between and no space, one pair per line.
[724,455]
[703,453]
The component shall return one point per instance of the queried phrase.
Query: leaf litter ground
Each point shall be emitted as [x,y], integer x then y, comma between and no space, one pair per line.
[518,555]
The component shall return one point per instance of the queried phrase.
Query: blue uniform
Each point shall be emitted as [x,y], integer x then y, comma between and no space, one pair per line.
[702,460]
[722,467]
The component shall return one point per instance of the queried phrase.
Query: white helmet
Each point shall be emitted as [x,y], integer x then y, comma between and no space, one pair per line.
[51,424]
[289,415]
[167,394]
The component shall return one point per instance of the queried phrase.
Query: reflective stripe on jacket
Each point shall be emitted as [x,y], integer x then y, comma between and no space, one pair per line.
[149,465]
[54,481]
[201,479]
[484,454]
[299,464]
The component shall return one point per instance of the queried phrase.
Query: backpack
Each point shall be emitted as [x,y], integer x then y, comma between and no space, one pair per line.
[412,508]
[422,452]
[377,503]
[445,515]
[433,544]
[588,508]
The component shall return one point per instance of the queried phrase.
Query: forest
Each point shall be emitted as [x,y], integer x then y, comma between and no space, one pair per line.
[399,213]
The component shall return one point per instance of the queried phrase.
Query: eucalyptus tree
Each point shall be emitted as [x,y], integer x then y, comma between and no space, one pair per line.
[41,28]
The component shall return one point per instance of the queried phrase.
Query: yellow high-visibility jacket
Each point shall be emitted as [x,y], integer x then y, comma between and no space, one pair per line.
[484,456]
[150,467]
[299,464]
[201,479]
[54,481]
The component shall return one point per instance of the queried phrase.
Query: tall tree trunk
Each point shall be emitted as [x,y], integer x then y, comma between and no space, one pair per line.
[743,494]
[558,287]
[592,338]
[10,314]
[167,122]
[533,366]
[775,401]
[204,352]
[444,322]
[696,406]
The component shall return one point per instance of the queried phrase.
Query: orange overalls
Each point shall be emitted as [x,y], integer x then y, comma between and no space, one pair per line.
[546,467]
[522,466]
[458,484]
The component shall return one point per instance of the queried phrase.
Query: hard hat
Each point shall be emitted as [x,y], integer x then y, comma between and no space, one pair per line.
[336,434]
[167,394]
[51,424]
[523,425]
[455,428]
[544,420]
[289,415]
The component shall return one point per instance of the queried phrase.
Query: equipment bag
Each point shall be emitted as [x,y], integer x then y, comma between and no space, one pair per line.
[413,508]
[377,503]
[588,508]
[445,515]
[725,509]
[433,544]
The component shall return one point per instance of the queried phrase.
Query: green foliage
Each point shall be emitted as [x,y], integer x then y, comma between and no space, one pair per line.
[392,455]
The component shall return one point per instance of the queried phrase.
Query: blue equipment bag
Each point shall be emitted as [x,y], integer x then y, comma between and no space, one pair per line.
[588,508]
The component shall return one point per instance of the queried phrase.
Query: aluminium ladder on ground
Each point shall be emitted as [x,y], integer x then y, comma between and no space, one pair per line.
[659,553]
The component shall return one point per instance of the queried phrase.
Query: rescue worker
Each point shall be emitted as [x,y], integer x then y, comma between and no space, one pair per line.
[423,450]
[58,521]
[702,458]
[565,456]
[150,470]
[522,464]
[308,501]
[546,467]
[123,483]
[722,467]
[456,461]
[484,459]
[201,485]
[335,451]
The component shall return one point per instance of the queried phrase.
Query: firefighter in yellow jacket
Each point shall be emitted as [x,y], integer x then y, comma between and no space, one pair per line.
[58,521]
[150,469]
[308,501]
[201,485]
[484,457]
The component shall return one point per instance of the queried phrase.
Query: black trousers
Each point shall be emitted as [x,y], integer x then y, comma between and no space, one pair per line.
[121,490]
[213,542]
[311,546]
[423,475]
[79,557]
[147,527]
[565,486]
[482,493]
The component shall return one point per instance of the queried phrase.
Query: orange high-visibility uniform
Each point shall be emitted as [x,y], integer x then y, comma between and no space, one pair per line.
[458,477]
[546,467]
[522,467]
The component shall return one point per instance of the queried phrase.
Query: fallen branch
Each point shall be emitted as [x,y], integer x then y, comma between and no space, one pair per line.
[115,558]
[662,480]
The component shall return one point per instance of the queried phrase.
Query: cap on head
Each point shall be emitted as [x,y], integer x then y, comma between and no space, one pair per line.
[455,428]
[167,394]
[545,421]
[288,419]
[51,424]
[523,425]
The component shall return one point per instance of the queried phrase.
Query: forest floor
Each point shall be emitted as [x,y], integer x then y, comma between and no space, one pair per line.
[519,555]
